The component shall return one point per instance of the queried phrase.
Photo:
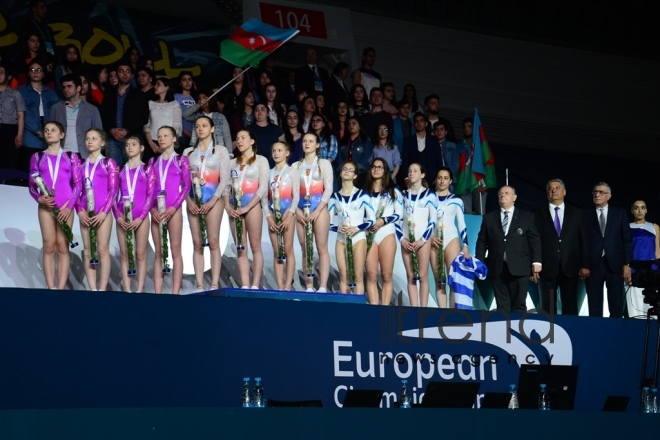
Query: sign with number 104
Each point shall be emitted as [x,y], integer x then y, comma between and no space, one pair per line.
[309,22]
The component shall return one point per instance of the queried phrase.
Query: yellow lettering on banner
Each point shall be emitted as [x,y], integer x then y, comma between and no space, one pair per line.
[165,65]
[9,39]
[97,37]
[62,32]
[126,42]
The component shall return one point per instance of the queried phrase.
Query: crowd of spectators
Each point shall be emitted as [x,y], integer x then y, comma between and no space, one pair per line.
[356,114]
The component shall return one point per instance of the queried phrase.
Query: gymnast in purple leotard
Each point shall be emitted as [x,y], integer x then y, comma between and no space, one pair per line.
[173,178]
[137,181]
[102,174]
[60,172]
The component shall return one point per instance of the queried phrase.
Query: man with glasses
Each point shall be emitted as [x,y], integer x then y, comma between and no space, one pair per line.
[124,112]
[611,252]
[38,99]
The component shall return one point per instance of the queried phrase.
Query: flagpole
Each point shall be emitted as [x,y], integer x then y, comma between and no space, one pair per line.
[230,81]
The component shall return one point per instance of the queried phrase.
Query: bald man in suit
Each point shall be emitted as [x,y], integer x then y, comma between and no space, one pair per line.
[514,251]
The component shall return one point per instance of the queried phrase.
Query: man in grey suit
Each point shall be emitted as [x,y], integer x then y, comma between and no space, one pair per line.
[514,251]
[75,115]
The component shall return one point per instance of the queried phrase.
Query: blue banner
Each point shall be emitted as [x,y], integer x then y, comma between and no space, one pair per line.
[76,349]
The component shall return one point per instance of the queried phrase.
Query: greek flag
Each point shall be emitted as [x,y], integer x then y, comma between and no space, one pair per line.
[462,273]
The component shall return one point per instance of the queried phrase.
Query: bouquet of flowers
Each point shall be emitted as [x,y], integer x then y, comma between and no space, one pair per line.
[441,253]
[236,185]
[39,181]
[382,201]
[309,239]
[411,238]
[164,242]
[197,191]
[89,191]
[130,236]
[277,209]
[349,253]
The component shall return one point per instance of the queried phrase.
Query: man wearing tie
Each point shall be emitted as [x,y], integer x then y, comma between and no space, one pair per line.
[514,251]
[611,252]
[311,77]
[565,250]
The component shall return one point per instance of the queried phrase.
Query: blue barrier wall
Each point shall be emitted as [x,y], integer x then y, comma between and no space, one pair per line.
[75,349]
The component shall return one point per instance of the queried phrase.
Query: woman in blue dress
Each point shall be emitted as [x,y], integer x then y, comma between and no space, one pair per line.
[646,246]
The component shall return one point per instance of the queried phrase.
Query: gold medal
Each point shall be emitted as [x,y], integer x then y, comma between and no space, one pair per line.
[308,197]
[202,182]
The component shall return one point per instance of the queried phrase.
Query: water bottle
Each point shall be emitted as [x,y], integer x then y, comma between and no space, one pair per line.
[404,397]
[245,394]
[544,398]
[647,403]
[654,400]
[258,395]
[513,403]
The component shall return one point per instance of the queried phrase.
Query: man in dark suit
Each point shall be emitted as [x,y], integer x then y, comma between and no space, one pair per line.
[337,90]
[565,249]
[611,252]
[421,148]
[124,112]
[514,251]
[310,77]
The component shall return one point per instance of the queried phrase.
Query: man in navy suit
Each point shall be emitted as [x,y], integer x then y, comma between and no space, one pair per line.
[421,148]
[611,252]
[563,232]
[514,251]
[311,77]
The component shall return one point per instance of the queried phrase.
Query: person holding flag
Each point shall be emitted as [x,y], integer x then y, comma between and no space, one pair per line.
[476,166]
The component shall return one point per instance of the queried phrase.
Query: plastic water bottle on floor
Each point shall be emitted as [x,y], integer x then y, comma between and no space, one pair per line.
[513,402]
[259,396]
[647,403]
[404,396]
[544,398]
[245,393]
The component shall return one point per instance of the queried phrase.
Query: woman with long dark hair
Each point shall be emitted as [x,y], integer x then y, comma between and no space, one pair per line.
[329,147]
[273,104]
[410,96]
[387,202]
[384,148]
[163,112]
[71,63]
[454,233]
[341,115]
[420,213]
[244,115]
[358,101]
[293,136]
[356,147]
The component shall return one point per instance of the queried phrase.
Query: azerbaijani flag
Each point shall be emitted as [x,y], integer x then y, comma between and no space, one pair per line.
[483,162]
[252,42]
